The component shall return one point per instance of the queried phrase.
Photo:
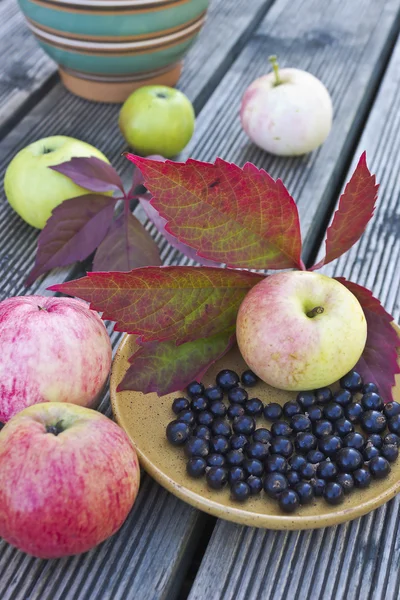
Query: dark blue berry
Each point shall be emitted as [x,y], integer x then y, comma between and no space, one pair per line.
[296,461]
[293,477]
[305,491]
[330,445]
[390,438]
[217,477]
[394,424]
[327,470]
[195,389]
[215,460]
[373,421]
[257,450]
[218,408]
[275,484]
[196,447]
[219,444]
[349,460]
[235,410]
[280,428]
[369,387]
[354,412]
[343,427]
[354,440]
[306,399]
[205,418]
[248,378]
[391,409]
[333,411]
[244,424]
[238,441]
[300,423]
[281,445]
[291,408]
[379,467]
[196,467]
[333,493]
[342,397]
[227,379]
[177,432]
[255,484]
[276,464]
[202,431]
[199,403]
[314,413]
[253,407]
[237,395]
[315,456]
[370,452]
[352,381]
[252,466]
[305,441]
[240,491]
[307,471]
[236,474]
[322,428]
[262,435]
[362,478]
[235,458]
[221,427]
[346,481]
[180,404]
[289,501]
[390,452]
[319,487]
[273,411]
[376,440]
[323,395]
[372,401]
[187,416]
[213,393]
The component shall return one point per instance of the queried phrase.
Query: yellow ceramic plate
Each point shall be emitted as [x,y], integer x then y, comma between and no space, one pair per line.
[145,417]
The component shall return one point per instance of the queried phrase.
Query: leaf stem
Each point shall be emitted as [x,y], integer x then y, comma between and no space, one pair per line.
[274,62]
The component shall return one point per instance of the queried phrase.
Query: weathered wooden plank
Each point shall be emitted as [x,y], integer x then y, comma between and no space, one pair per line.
[359,559]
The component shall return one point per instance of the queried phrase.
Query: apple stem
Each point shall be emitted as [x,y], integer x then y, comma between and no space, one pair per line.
[54,429]
[42,308]
[317,310]
[274,62]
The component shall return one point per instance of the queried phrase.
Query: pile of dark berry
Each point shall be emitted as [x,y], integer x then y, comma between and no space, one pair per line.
[310,450]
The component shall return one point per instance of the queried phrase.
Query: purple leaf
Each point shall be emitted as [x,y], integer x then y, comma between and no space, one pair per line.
[126,246]
[91,173]
[74,230]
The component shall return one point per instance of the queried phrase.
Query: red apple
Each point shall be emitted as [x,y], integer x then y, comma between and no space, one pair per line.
[52,350]
[68,479]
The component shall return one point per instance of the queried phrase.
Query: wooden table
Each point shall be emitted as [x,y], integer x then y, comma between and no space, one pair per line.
[166,549]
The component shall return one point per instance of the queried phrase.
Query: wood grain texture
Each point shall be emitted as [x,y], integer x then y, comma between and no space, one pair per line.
[358,559]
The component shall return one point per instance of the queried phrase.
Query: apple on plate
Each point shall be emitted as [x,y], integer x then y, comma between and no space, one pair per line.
[287,112]
[34,190]
[157,119]
[52,349]
[68,479]
[300,330]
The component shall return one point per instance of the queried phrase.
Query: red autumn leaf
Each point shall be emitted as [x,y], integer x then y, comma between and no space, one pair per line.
[163,367]
[379,361]
[356,208]
[240,217]
[166,303]
[74,230]
[126,246]
[91,173]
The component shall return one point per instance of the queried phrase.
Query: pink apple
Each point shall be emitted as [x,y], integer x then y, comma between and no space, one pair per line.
[52,350]
[300,330]
[68,479]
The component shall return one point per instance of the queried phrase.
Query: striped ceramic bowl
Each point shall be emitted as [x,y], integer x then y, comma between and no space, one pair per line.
[107,48]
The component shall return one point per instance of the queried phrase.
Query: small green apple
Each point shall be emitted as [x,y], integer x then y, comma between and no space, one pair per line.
[34,190]
[157,119]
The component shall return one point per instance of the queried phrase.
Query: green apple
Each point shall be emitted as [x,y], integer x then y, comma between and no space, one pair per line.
[157,119]
[300,330]
[34,190]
